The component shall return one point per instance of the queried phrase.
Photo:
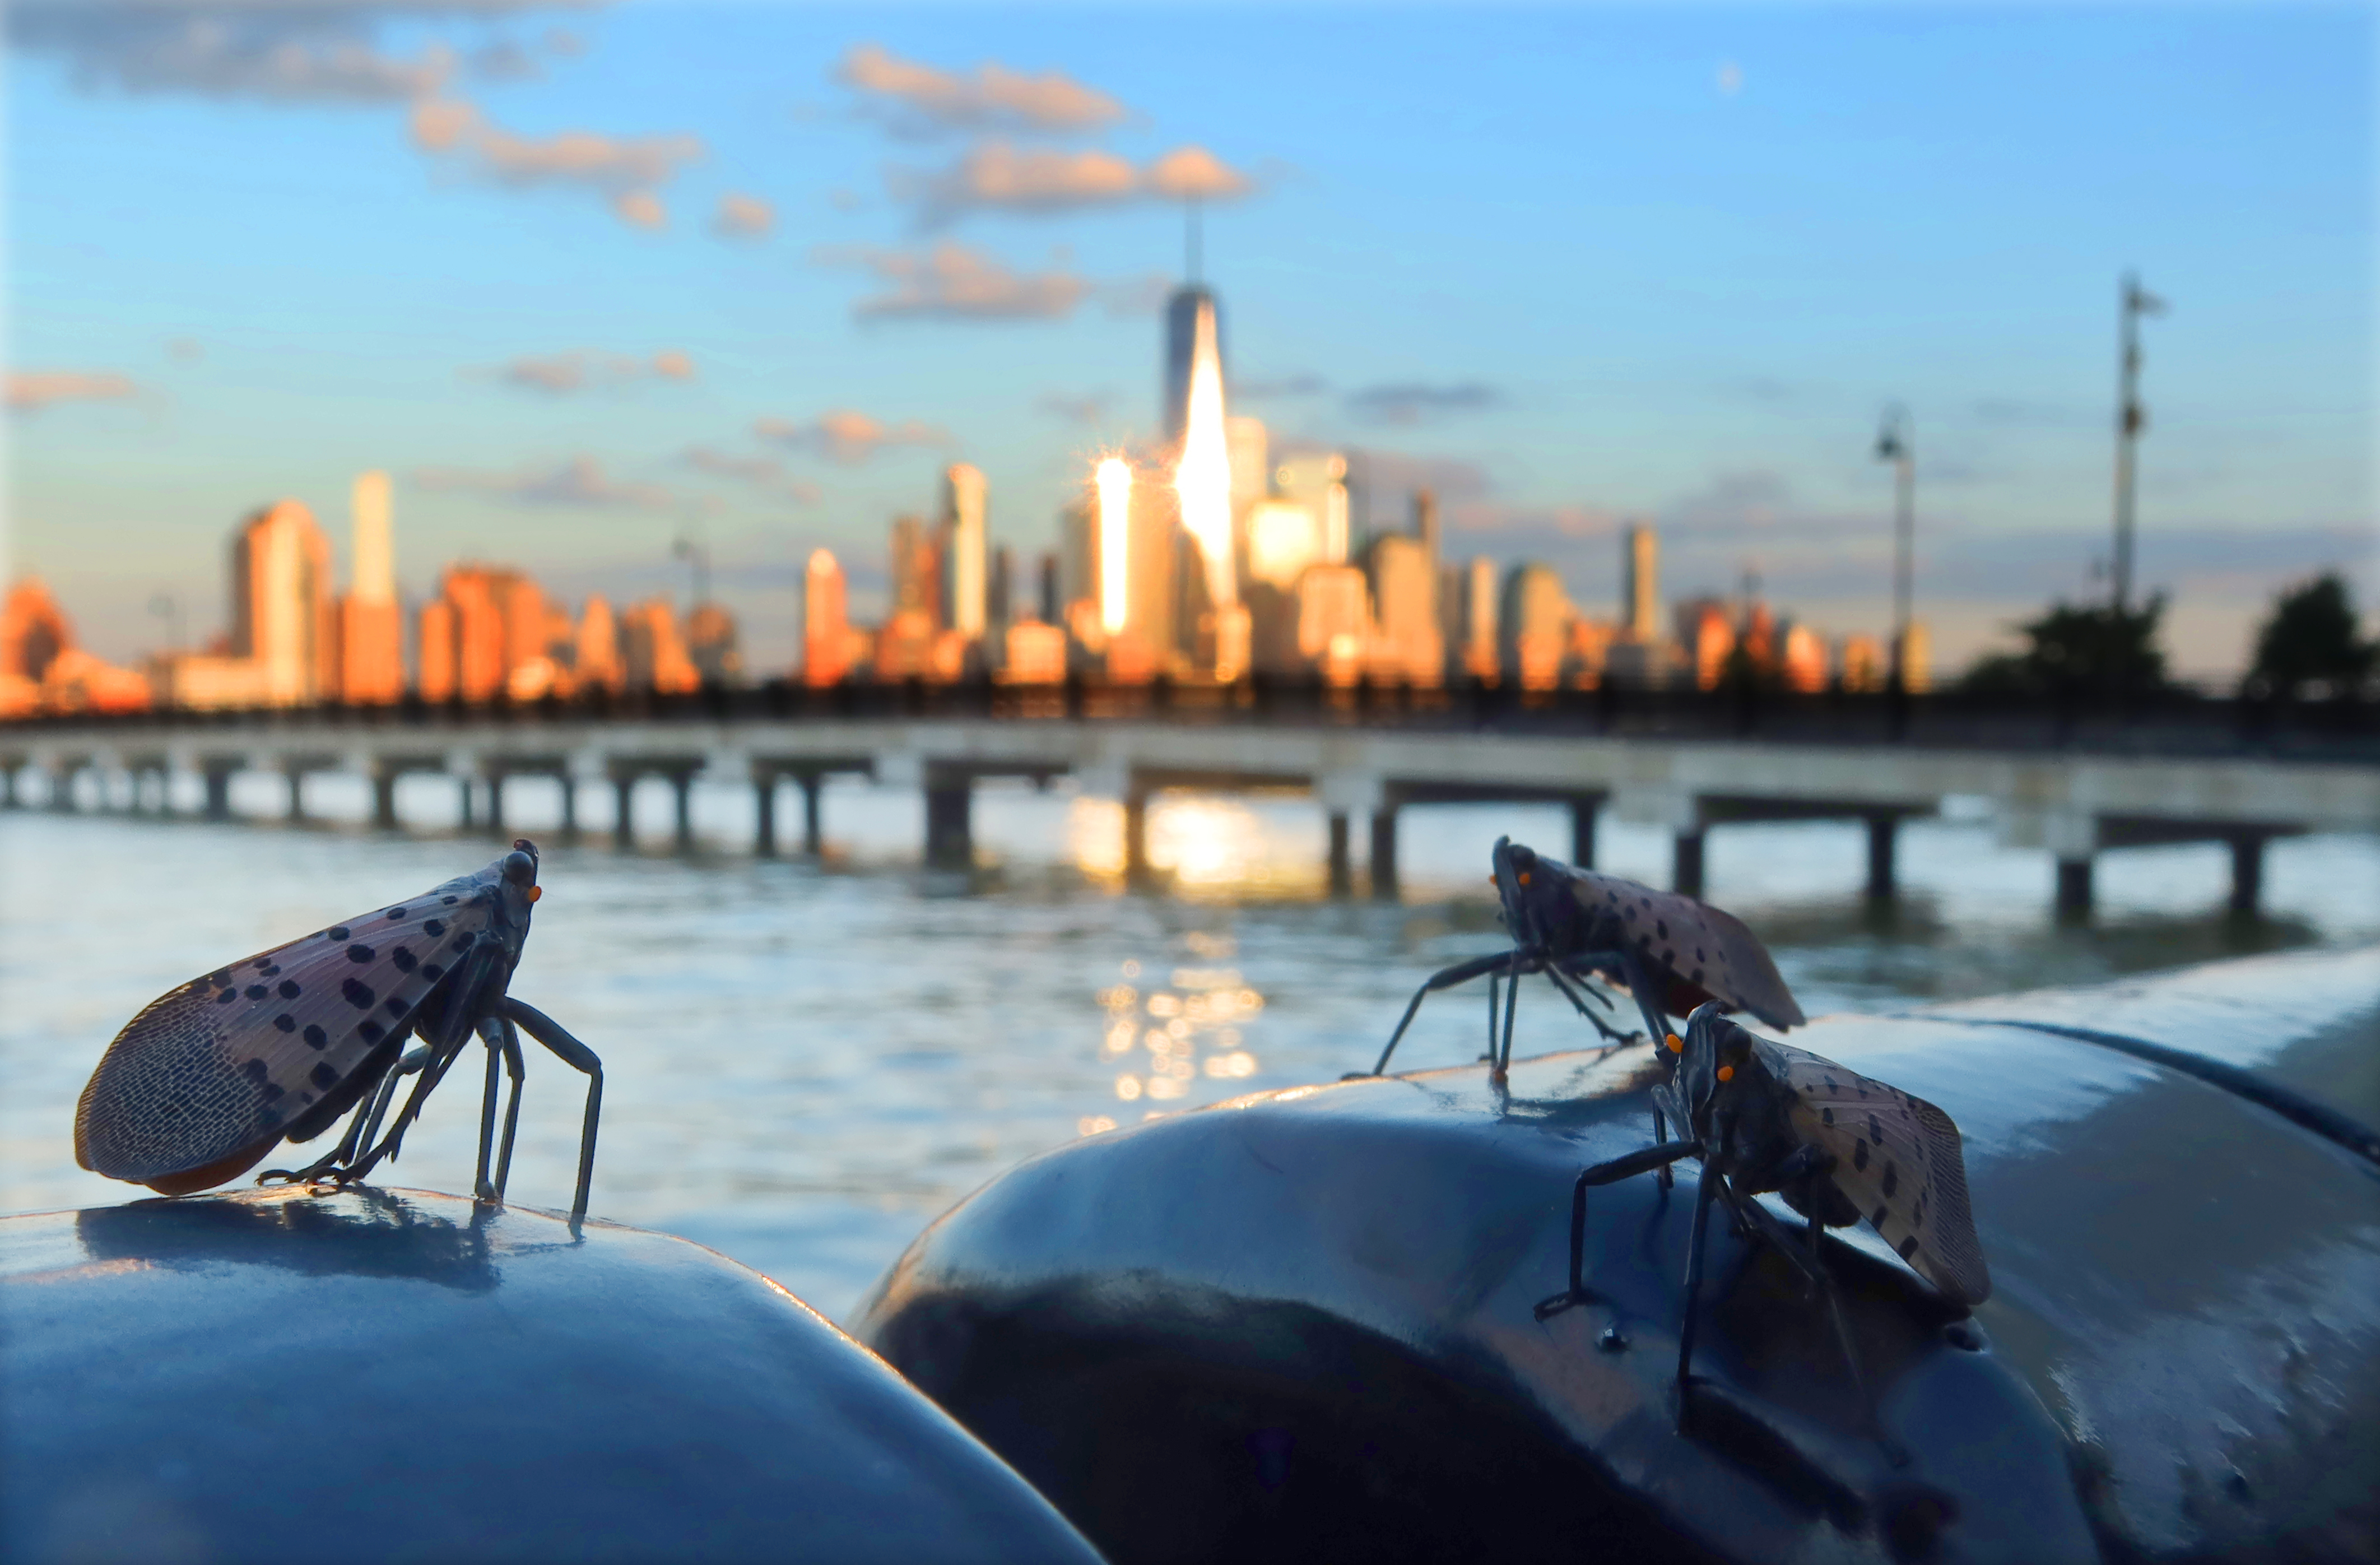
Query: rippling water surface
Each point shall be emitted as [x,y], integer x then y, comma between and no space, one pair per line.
[807,1063]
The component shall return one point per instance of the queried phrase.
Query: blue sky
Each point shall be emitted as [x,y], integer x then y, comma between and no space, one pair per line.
[1574,266]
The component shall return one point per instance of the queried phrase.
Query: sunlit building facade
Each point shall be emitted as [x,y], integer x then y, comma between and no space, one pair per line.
[370,621]
[964,577]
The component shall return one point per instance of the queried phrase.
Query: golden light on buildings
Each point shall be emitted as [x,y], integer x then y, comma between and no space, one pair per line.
[1283,538]
[1203,479]
[1114,480]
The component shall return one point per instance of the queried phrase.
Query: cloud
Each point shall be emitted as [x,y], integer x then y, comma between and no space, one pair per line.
[1738,502]
[505,60]
[640,209]
[1194,174]
[288,52]
[31,390]
[765,474]
[185,350]
[847,437]
[743,217]
[1411,402]
[997,175]
[919,99]
[578,484]
[560,373]
[624,170]
[954,283]
[1088,409]
[1731,79]
[584,157]
[1280,386]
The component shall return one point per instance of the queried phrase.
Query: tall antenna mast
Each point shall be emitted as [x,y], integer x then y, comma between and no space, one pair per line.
[2131,418]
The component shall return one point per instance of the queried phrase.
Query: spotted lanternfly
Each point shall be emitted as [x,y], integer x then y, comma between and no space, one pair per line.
[210,1077]
[1670,953]
[1839,1147]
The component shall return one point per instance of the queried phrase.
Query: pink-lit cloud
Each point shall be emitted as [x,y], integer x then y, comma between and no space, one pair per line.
[766,475]
[1413,402]
[848,437]
[743,217]
[561,373]
[626,171]
[952,281]
[579,482]
[996,176]
[289,52]
[31,390]
[919,98]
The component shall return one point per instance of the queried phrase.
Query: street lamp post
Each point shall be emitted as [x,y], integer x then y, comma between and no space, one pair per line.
[1896,442]
[2130,420]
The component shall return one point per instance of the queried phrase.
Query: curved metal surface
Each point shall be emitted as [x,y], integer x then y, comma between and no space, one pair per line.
[2299,1032]
[378,1374]
[1307,1316]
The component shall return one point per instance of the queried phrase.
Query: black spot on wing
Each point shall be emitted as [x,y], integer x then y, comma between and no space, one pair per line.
[1892,1178]
[405,960]
[360,953]
[315,1036]
[431,971]
[359,993]
[338,931]
[322,1076]
[285,1021]
[257,992]
[1859,1156]
[394,914]
[289,989]
[434,927]
[1907,1247]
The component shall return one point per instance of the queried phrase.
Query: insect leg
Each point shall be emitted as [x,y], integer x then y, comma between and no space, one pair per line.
[512,1108]
[1446,978]
[1640,989]
[433,1064]
[481,1189]
[1511,1008]
[548,1032]
[1765,1224]
[1578,995]
[1705,1188]
[1618,1168]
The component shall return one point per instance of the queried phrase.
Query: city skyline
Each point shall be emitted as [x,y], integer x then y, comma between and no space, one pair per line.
[1704,355]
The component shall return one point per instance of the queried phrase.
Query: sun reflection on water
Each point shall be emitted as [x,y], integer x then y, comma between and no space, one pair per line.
[1189,1029]
[1198,845]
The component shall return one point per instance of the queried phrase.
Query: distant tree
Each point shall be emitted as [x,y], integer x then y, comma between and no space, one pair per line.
[2096,649]
[2311,639]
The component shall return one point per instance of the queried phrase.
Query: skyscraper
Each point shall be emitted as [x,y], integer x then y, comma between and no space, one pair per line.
[963,564]
[1191,307]
[281,604]
[826,628]
[371,627]
[1640,589]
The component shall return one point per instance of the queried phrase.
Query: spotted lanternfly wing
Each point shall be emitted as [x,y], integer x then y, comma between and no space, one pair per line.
[1899,1159]
[200,1085]
[1699,952]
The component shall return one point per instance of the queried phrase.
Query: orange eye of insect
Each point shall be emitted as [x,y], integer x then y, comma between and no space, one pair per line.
[1677,1044]
[535,892]
[1524,876]
[1727,1072]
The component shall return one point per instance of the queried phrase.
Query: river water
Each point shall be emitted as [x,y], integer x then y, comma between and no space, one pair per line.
[806,1062]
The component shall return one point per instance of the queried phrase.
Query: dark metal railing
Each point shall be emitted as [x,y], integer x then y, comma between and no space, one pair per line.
[2174,721]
